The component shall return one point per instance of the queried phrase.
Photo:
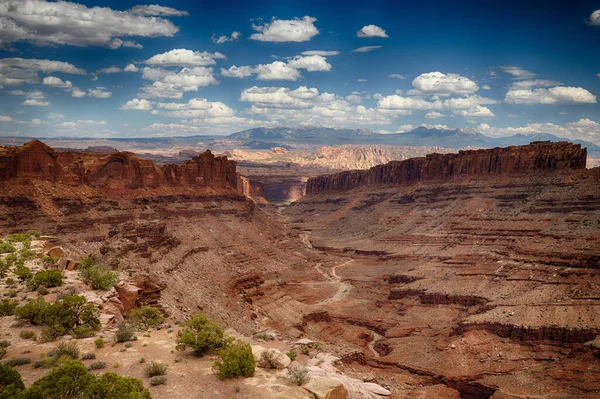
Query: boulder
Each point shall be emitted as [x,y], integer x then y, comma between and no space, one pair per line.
[270,358]
[128,295]
[326,388]
[56,252]
[376,389]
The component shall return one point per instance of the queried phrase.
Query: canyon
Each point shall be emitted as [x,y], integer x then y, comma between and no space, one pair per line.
[467,275]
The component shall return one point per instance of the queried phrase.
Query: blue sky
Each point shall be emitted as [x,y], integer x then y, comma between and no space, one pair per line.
[130,69]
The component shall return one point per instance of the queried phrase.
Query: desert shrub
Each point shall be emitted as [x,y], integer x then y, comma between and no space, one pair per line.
[299,375]
[33,311]
[20,237]
[4,267]
[66,349]
[23,272]
[97,366]
[200,334]
[7,307]
[292,354]
[269,359]
[45,278]
[10,281]
[158,380]
[235,359]
[11,383]
[16,361]
[26,254]
[98,277]
[89,356]
[304,349]
[113,386]
[146,317]
[6,247]
[128,345]
[125,332]
[48,261]
[27,334]
[155,368]
[4,343]
[43,290]
[2,353]
[99,343]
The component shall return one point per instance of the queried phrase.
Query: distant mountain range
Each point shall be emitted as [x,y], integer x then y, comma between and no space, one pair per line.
[421,136]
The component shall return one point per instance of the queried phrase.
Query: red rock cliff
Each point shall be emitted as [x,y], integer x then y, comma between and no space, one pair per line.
[35,160]
[510,160]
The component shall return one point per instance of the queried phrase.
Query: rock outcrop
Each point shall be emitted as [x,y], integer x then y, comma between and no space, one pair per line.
[495,161]
[35,160]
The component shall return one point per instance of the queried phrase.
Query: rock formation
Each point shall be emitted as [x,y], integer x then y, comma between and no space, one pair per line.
[496,161]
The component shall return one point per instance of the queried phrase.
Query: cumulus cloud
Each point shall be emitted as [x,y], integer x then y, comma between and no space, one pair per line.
[172,84]
[196,108]
[366,49]
[79,124]
[157,11]
[476,112]
[322,53]
[54,115]
[131,68]
[396,76]
[224,39]
[279,70]
[371,31]
[137,104]
[36,94]
[99,92]
[16,71]
[443,84]
[434,115]
[281,30]
[595,18]
[109,70]
[517,72]
[526,84]
[4,118]
[77,93]
[553,96]
[486,87]
[184,57]
[396,102]
[46,23]
[53,81]
[35,103]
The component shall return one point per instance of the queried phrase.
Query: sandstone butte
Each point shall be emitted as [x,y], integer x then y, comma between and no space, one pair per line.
[470,275]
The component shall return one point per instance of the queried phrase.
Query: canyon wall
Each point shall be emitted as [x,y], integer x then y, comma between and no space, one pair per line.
[35,160]
[495,161]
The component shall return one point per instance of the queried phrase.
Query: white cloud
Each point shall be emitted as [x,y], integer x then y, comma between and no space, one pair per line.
[477,112]
[4,118]
[554,96]
[81,123]
[527,84]
[486,87]
[595,18]
[281,30]
[112,69]
[77,93]
[396,102]
[36,121]
[279,70]
[137,104]
[99,92]
[36,94]
[172,84]
[396,76]
[36,103]
[312,63]
[237,72]
[434,115]
[365,49]
[131,68]
[583,129]
[15,71]
[404,128]
[443,84]
[48,23]
[224,39]
[53,81]
[517,72]
[321,53]
[371,31]
[158,11]
[54,115]
[361,80]
[196,108]
[184,57]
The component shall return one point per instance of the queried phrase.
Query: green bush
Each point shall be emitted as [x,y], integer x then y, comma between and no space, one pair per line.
[292,354]
[125,332]
[23,272]
[158,380]
[98,277]
[21,237]
[146,317]
[66,349]
[27,334]
[11,383]
[200,334]
[235,359]
[299,375]
[2,352]
[155,368]
[16,361]
[7,307]
[4,267]
[89,356]
[6,247]
[26,254]
[97,366]
[33,311]
[73,381]
[4,343]
[99,343]
[46,278]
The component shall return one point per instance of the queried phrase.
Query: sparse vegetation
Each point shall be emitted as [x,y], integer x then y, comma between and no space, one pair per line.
[27,334]
[158,380]
[155,368]
[235,359]
[146,317]
[292,354]
[125,332]
[97,276]
[99,343]
[16,361]
[200,334]
[269,359]
[299,375]
[89,356]
[45,278]
[23,272]
[305,351]
[97,366]
[6,247]
[7,307]
[11,383]
[66,350]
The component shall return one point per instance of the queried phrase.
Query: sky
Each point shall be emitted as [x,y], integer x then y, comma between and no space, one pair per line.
[179,68]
